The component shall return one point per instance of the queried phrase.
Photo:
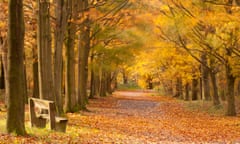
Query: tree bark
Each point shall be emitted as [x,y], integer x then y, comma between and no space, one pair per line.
[70,97]
[125,77]
[109,82]
[194,89]
[46,88]
[25,88]
[2,75]
[205,78]
[4,51]
[178,93]
[83,54]
[35,73]
[187,98]
[216,100]
[16,107]
[93,81]
[103,91]
[231,110]
[92,85]
[61,21]
[97,84]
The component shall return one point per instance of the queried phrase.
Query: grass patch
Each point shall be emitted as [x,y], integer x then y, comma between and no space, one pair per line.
[205,106]
[3,126]
[129,86]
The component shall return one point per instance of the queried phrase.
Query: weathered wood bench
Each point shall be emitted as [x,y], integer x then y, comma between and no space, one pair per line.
[41,111]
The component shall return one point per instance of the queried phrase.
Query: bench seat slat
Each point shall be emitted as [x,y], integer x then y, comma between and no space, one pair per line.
[61,119]
[46,116]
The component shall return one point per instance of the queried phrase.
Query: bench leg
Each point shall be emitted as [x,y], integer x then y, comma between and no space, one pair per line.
[61,126]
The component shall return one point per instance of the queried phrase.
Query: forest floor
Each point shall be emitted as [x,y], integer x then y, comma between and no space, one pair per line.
[135,117]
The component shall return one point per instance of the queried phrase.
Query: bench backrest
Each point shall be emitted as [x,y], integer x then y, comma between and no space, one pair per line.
[43,105]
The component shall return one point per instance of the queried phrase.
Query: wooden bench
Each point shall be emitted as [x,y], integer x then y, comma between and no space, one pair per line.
[41,111]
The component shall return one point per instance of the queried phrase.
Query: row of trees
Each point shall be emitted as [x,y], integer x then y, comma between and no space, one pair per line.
[196,51]
[63,38]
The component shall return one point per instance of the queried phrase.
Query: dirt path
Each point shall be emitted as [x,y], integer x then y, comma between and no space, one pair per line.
[136,118]
[139,118]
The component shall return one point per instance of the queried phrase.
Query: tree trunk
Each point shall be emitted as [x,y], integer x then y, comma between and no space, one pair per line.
[178,88]
[215,89]
[149,82]
[238,88]
[216,100]
[109,83]
[115,83]
[25,88]
[125,77]
[4,51]
[83,54]
[194,89]
[70,97]
[61,21]
[187,92]
[92,85]
[231,110]
[35,73]
[15,112]
[2,75]
[205,78]
[97,84]
[46,88]
[103,91]
[92,80]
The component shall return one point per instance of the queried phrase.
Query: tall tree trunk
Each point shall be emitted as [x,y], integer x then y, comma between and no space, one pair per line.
[35,73]
[92,80]
[15,112]
[187,92]
[115,83]
[212,73]
[205,78]
[238,88]
[97,84]
[83,54]
[46,88]
[61,21]
[195,89]
[2,75]
[231,110]
[170,87]
[103,91]
[70,97]
[125,77]
[179,88]
[25,88]
[4,51]
[216,100]
[109,82]
[92,85]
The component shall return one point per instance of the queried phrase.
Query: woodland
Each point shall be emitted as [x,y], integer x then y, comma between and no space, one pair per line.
[121,71]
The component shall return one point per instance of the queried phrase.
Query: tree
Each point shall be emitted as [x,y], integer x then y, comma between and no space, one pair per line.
[46,88]
[60,29]
[70,98]
[83,54]
[4,44]
[15,113]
